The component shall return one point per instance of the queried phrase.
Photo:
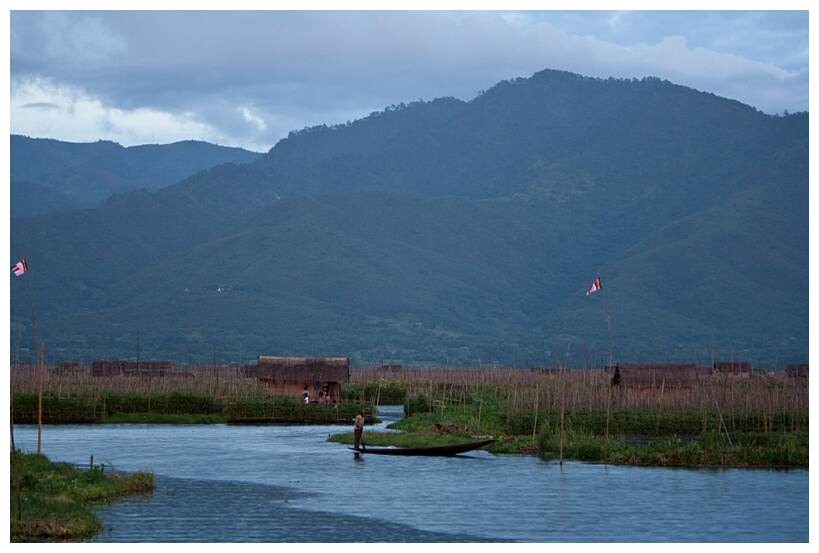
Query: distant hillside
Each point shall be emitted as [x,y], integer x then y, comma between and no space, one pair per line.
[456,232]
[29,199]
[87,173]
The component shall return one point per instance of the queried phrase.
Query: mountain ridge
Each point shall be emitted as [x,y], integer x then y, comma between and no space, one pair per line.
[86,174]
[451,232]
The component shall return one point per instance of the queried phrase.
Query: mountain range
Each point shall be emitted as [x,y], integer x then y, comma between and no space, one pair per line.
[446,232]
[47,175]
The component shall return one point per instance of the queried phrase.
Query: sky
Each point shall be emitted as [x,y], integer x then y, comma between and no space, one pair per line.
[247,78]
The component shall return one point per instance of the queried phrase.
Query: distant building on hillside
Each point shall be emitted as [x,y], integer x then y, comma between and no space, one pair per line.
[292,376]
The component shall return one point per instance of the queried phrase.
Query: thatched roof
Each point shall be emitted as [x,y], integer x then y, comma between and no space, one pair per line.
[732,367]
[797,371]
[655,375]
[130,368]
[300,369]
[551,371]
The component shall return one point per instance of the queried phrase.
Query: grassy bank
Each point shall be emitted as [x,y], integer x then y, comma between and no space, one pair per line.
[55,502]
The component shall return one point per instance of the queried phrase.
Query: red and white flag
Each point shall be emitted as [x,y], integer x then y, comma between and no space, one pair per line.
[20,267]
[595,286]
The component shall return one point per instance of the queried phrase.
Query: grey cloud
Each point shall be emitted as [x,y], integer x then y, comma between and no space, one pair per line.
[40,106]
[300,68]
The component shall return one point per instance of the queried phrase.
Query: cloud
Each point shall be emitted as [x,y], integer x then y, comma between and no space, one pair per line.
[49,110]
[250,117]
[247,78]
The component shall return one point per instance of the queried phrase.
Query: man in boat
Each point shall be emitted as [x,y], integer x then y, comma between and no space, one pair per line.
[359,428]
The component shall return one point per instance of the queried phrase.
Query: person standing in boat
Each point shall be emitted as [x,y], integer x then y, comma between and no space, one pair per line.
[358,428]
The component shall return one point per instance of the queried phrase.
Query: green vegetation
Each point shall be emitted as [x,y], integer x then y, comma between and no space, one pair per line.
[629,445]
[377,392]
[210,395]
[750,420]
[76,172]
[166,409]
[706,449]
[452,233]
[159,418]
[756,421]
[56,499]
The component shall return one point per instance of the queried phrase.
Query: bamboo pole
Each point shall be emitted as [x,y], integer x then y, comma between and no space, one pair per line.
[534,426]
[562,410]
[40,401]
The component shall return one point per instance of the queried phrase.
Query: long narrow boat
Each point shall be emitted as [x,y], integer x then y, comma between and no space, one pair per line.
[434,451]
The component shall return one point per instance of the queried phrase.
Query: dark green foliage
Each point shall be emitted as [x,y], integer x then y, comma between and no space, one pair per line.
[520,423]
[73,409]
[458,233]
[418,403]
[56,497]
[708,449]
[157,418]
[288,409]
[190,404]
[170,404]
[379,393]
[781,450]
[666,422]
[583,439]
[126,403]
[93,409]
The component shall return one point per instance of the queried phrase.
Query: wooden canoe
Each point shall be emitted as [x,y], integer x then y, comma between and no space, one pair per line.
[434,451]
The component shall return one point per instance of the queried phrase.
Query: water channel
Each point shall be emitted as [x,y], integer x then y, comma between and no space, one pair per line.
[288,484]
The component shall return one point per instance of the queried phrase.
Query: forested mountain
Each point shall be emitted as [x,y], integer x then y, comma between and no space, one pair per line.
[85,174]
[455,232]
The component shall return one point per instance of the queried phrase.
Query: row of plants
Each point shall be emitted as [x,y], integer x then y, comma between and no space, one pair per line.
[53,502]
[375,391]
[520,408]
[624,421]
[667,437]
[516,390]
[709,449]
[712,449]
[112,407]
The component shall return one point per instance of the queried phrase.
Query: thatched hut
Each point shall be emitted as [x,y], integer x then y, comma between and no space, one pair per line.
[293,376]
[797,371]
[654,375]
[549,371]
[130,368]
[732,367]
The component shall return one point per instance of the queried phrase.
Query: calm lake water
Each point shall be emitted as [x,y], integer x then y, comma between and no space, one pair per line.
[287,484]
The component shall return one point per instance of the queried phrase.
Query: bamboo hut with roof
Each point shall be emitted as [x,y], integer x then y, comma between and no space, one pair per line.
[295,376]
[797,371]
[737,368]
[645,376]
[549,371]
[131,368]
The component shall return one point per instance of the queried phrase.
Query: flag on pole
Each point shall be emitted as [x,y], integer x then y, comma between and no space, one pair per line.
[20,267]
[595,286]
